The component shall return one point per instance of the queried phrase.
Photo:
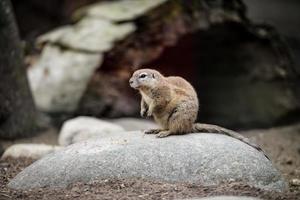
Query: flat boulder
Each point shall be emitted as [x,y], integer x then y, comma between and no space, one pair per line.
[202,158]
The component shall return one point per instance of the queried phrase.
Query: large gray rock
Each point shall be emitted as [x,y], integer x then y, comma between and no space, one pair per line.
[197,158]
[135,124]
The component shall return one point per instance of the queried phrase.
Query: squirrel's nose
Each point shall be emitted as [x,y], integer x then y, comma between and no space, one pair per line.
[130,81]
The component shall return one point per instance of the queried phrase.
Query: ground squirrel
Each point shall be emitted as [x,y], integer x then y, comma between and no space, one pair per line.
[173,103]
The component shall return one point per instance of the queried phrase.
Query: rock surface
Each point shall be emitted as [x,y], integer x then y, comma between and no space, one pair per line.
[135,124]
[34,151]
[202,158]
[83,128]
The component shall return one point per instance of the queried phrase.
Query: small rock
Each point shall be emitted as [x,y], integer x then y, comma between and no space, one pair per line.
[83,128]
[295,182]
[34,151]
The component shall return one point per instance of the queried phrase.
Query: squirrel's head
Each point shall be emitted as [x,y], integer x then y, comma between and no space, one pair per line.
[145,79]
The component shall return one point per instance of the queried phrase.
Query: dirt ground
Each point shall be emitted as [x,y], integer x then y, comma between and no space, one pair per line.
[281,144]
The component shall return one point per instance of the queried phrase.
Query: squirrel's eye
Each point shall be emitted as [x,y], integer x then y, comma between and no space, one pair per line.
[142,76]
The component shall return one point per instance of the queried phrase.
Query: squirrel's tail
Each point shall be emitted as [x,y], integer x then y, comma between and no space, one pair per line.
[210,128]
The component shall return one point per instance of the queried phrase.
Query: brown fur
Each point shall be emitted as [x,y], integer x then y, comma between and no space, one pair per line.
[173,103]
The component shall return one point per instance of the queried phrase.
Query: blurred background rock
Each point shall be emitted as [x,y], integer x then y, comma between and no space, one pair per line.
[242,57]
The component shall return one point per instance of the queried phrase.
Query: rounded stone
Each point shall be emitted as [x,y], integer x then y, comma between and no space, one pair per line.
[201,158]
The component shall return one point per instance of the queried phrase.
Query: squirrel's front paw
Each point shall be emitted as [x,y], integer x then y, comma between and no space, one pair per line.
[144,113]
[149,114]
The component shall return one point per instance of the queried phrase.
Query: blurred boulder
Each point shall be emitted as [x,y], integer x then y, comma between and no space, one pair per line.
[83,128]
[34,151]
[207,159]
[59,78]
[88,35]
